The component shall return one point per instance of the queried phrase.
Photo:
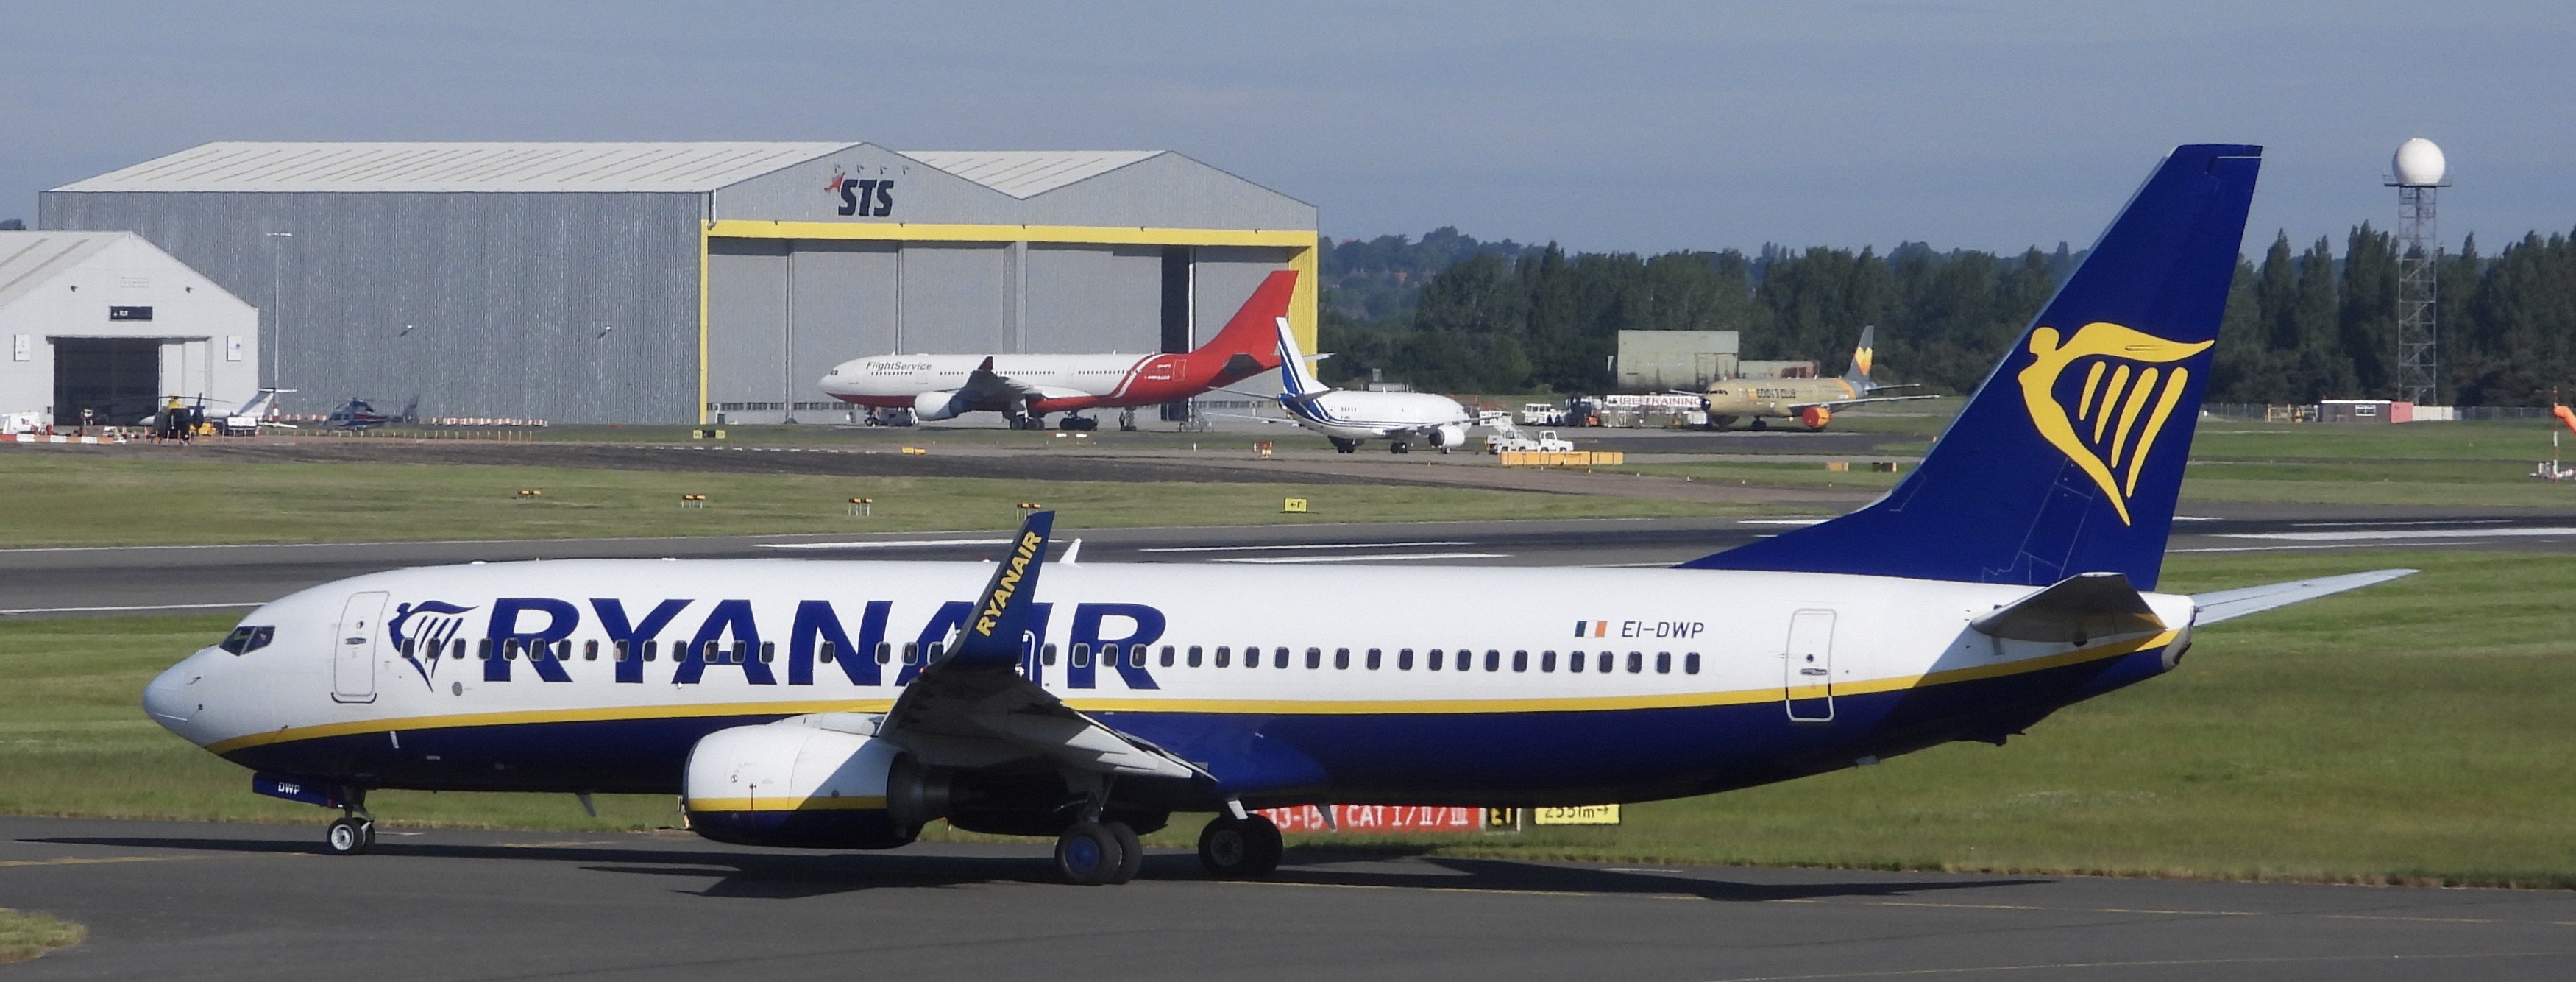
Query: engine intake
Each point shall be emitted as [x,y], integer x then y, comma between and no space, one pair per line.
[787,784]
[937,405]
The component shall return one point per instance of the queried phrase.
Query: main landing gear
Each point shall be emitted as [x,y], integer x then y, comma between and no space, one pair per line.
[1240,848]
[1399,446]
[1344,446]
[1092,854]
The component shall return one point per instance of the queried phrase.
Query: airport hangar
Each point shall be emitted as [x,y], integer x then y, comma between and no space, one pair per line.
[691,282]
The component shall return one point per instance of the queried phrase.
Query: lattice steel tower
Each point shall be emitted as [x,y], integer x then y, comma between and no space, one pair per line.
[2417,175]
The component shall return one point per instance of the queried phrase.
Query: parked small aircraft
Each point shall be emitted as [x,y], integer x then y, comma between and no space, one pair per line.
[357,414]
[1809,401]
[1351,418]
[189,416]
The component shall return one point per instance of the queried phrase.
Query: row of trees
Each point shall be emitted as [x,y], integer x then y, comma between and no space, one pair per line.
[1449,313]
[2315,326]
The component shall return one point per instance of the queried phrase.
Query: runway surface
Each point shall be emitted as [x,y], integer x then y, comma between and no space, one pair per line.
[96,582]
[232,901]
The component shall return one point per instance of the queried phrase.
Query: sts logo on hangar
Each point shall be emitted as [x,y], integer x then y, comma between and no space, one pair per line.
[865,197]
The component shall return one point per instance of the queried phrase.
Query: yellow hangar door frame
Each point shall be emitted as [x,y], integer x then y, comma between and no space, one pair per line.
[1299,243]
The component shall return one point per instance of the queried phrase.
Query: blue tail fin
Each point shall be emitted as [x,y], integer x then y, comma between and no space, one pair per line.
[2068,459]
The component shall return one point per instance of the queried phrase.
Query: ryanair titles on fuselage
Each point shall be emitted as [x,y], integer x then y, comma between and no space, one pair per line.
[727,637]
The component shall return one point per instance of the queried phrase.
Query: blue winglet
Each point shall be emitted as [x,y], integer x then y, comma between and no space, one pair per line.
[990,637]
[2068,459]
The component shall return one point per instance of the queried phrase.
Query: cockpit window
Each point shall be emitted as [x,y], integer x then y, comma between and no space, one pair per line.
[246,639]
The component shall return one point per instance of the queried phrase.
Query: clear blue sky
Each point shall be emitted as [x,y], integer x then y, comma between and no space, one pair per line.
[1644,127]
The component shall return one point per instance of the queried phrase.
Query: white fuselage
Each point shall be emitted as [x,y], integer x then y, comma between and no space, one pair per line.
[896,380]
[1381,415]
[1360,652]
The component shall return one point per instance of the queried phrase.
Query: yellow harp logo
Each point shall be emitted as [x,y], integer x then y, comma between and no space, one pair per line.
[2123,403]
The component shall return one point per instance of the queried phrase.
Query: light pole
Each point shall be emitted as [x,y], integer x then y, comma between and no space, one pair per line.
[277,309]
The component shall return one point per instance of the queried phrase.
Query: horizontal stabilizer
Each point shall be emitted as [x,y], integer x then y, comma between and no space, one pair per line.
[2076,610]
[2227,604]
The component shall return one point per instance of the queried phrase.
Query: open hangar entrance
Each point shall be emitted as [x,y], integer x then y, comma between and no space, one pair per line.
[105,324]
[785,305]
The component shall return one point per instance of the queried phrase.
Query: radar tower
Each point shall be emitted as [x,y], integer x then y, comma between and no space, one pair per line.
[2417,173]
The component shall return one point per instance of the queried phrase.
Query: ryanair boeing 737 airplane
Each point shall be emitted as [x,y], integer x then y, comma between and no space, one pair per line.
[842,705]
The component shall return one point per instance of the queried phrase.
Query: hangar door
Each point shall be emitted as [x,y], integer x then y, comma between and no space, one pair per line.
[117,378]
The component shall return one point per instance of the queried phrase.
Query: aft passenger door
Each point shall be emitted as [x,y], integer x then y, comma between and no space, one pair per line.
[1808,687]
[353,648]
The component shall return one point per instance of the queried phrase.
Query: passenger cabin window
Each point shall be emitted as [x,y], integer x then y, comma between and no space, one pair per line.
[1605,662]
[1278,657]
[1341,658]
[1221,654]
[624,651]
[826,652]
[1136,656]
[1547,661]
[741,652]
[1373,657]
[247,639]
[1636,662]
[1108,656]
[912,652]
[1314,658]
[1493,660]
[483,650]
[1168,652]
[651,649]
[1404,660]
[768,651]
[1663,663]
[590,650]
[931,657]
[510,648]
[1431,660]
[458,651]
[1082,654]
[1520,661]
[1196,654]
[1690,663]
[1045,655]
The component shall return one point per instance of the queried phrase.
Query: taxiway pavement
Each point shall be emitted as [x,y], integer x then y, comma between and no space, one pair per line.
[239,901]
[110,581]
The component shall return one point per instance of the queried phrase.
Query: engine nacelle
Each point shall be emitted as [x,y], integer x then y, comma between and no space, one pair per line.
[1449,435]
[795,784]
[937,405]
[1815,417]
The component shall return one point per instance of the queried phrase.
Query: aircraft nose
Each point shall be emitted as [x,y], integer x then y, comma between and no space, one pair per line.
[172,698]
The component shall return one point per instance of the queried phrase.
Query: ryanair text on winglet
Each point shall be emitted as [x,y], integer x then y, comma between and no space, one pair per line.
[1008,584]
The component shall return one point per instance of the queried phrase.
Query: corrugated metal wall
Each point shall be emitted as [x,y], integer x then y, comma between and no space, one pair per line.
[481,304]
[1084,299]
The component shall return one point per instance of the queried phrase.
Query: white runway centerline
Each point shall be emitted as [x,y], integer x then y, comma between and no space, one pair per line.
[913,543]
[1365,559]
[2389,534]
[1320,545]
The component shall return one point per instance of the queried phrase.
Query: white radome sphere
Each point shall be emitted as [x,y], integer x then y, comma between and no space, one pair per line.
[2418,163]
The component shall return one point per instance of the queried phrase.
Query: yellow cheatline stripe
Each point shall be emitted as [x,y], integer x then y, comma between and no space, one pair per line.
[738,228]
[1272,707]
[786,804]
[600,714]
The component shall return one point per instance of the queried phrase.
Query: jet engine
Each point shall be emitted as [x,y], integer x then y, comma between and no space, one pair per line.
[794,783]
[1815,417]
[1449,435]
[937,405]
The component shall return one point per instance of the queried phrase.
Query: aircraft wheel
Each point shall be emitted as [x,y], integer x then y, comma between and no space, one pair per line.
[349,836]
[1087,854]
[1345,446]
[1758,424]
[1240,849]
[1399,448]
[1131,852]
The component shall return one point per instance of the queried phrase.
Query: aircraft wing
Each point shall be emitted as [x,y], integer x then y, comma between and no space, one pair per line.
[1839,403]
[987,387]
[973,708]
[2230,604]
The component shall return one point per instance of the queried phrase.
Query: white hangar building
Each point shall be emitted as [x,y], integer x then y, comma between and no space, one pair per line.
[105,322]
[684,282]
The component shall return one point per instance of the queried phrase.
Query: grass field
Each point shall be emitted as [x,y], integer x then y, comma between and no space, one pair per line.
[75,500]
[25,935]
[2416,731]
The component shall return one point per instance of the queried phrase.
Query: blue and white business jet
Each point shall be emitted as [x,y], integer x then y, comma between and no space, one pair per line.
[842,705]
[1349,419]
